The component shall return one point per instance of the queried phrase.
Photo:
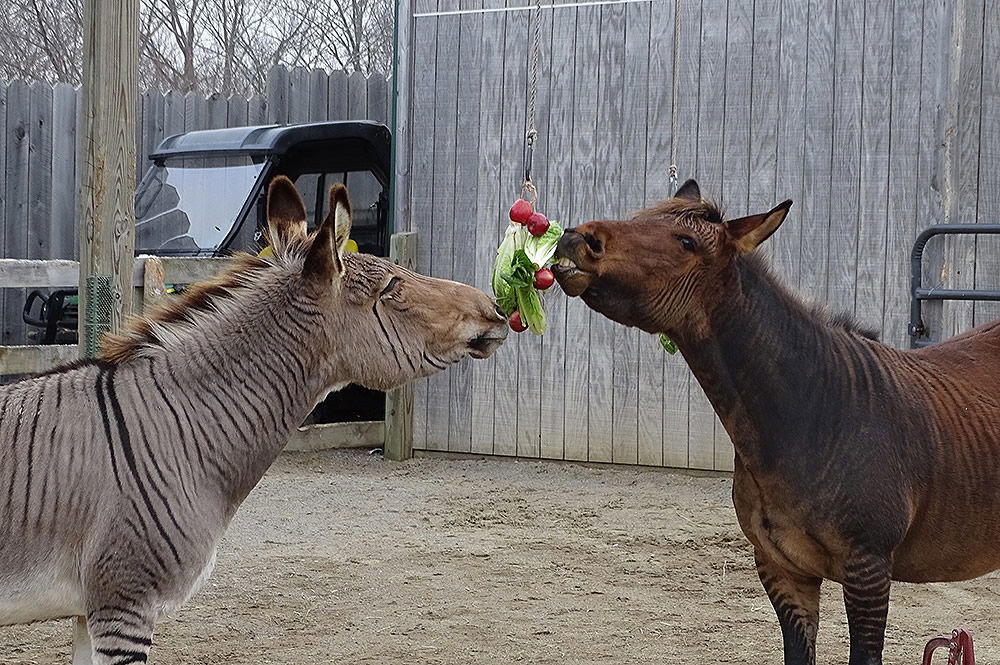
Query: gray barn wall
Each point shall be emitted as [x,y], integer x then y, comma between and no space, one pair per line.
[877,118]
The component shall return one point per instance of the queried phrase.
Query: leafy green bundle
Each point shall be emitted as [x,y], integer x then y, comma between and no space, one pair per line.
[519,256]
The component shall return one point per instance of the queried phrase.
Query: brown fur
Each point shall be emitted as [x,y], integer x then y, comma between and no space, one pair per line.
[855,462]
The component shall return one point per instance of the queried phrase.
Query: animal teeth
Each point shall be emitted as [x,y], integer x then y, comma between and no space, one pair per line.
[566,263]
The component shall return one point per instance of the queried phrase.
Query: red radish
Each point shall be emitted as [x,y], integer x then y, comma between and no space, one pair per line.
[521,211]
[543,279]
[516,324]
[538,224]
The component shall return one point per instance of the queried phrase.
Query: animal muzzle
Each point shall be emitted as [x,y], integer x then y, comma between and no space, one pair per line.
[486,343]
[571,252]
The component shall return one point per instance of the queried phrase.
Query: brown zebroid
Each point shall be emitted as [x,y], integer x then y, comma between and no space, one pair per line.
[853,459]
[119,476]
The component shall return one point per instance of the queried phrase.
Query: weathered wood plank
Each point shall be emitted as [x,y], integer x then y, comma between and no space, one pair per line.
[873,188]
[606,338]
[791,108]
[442,185]
[626,443]
[556,199]
[216,111]
[154,286]
[661,380]
[336,105]
[26,359]
[585,207]
[931,172]
[277,95]
[298,95]
[697,418]
[399,402]
[195,112]
[812,212]
[173,114]
[319,94]
[987,266]
[357,97]
[329,436]
[903,168]
[257,111]
[34,273]
[423,149]
[42,228]
[237,111]
[710,166]
[843,236]
[489,205]
[507,378]
[63,204]
[18,205]
[961,114]
[465,214]
[377,108]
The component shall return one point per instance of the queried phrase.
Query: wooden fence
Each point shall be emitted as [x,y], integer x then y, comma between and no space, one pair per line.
[878,119]
[38,150]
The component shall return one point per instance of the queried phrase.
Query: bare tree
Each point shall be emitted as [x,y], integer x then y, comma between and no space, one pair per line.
[227,46]
[41,40]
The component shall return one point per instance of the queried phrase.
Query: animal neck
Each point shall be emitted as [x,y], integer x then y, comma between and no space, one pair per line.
[242,386]
[770,365]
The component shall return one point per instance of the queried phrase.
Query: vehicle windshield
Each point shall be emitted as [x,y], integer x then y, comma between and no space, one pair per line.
[189,205]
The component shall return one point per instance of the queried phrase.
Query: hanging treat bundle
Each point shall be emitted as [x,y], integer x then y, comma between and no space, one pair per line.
[521,271]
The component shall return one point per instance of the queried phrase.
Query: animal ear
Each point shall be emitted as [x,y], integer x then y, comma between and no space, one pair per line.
[748,232]
[325,258]
[286,213]
[689,190]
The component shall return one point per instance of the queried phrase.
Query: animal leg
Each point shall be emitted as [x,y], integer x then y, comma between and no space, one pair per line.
[866,598]
[796,602]
[83,650]
[121,635]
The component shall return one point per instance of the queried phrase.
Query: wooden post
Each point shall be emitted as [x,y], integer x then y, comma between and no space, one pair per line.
[107,214]
[153,286]
[399,402]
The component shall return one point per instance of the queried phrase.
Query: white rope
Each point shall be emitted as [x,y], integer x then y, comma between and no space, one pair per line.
[531,8]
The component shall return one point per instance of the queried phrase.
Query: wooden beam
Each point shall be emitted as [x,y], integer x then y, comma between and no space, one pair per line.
[17,273]
[363,434]
[34,359]
[107,183]
[399,402]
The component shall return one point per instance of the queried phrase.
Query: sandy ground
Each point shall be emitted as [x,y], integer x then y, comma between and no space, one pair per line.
[343,557]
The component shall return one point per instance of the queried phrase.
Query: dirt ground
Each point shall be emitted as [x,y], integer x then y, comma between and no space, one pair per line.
[343,557]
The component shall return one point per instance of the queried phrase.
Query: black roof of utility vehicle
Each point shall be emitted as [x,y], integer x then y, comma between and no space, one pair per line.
[359,144]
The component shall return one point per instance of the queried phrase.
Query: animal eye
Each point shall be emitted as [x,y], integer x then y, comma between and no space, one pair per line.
[687,243]
[390,288]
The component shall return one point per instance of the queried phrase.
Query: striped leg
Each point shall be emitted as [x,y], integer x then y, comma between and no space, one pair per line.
[796,602]
[120,635]
[866,597]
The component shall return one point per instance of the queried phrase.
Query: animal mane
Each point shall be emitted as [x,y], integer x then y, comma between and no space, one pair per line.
[842,321]
[683,208]
[146,331]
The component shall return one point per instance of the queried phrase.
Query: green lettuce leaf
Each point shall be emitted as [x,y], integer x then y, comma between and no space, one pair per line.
[530,305]
[542,250]
[502,268]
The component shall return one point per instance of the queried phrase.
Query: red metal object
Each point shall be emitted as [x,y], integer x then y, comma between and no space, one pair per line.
[959,645]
